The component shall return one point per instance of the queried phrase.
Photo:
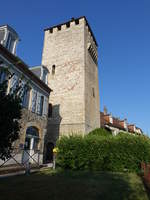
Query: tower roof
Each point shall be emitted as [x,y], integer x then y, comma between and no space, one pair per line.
[74,19]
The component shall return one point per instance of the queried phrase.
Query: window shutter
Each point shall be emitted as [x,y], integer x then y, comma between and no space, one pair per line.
[38,103]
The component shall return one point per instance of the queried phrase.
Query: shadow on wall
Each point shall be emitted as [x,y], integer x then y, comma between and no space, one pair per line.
[52,135]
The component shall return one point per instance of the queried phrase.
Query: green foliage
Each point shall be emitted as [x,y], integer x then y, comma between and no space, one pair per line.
[10,113]
[100,132]
[120,153]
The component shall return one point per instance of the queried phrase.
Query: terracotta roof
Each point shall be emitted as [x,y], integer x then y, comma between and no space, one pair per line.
[16,61]
[116,122]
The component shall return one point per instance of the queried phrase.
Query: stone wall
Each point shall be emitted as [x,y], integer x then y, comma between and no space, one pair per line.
[74,108]
[92,101]
[30,119]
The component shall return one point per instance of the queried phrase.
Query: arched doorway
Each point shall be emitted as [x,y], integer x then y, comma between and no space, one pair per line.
[31,153]
[49,152]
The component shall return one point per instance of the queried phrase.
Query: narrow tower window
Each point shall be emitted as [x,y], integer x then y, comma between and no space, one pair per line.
[53,69]
[93,92]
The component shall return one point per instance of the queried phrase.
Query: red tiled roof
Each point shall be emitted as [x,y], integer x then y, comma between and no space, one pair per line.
[116,122]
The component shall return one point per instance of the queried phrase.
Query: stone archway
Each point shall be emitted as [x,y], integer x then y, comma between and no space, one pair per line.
[40,132]
[31,149]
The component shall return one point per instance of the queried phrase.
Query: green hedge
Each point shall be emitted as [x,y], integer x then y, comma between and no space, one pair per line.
[100,132]
[119,153]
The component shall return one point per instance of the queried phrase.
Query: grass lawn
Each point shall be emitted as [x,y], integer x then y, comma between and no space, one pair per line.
[69,185]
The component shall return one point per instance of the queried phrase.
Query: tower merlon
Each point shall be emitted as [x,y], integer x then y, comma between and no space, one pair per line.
[71,23]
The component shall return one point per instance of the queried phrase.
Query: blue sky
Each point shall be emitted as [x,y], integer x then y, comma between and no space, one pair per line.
[122,30]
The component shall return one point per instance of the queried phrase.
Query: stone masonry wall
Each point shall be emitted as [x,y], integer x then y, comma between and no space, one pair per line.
[31,119]
[66,49]
[92,101]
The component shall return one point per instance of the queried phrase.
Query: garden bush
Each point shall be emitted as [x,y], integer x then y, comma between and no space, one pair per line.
[100,132]
[93,152]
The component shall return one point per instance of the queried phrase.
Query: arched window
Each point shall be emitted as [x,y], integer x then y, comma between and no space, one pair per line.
[32,131]
[32,138]
[53,69]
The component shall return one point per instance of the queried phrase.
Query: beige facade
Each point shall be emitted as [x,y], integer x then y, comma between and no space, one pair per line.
[35,96]
[30,119]
[70,54]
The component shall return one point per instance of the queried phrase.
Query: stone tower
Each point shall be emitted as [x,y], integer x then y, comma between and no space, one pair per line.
[70,54]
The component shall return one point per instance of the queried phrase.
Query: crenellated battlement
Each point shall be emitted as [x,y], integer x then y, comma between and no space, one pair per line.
[71,23]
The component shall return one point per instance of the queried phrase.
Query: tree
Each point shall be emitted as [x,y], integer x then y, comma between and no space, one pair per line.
[10,114]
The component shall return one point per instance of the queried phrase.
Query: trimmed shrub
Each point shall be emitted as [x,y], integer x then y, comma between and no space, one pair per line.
[100,132]
[120,153]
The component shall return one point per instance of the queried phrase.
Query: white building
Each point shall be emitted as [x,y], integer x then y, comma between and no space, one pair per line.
[34,101]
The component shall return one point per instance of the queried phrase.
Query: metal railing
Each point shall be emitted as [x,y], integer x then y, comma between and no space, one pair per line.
[22,158]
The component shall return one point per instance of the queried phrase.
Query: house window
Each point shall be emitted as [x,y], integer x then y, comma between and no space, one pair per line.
[25,98]
[10,43]
[11,47]
[41,104]
[53,69]
[50,110]
[2,76]
[2,34]
[45,76]
[34,100]
[14,83]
